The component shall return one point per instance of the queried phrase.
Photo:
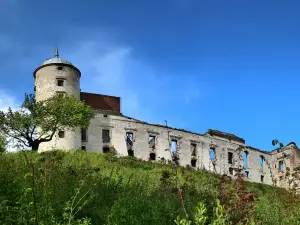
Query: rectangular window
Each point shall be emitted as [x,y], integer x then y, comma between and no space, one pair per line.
[193,162]
[212,155]
[230,170]
[105,136]
[281,165]
[61,134]
[151,141]
[173,145]
[129,140]
[60,82]
[262,178]
[83,148]
[246,174]
[193,149]
[230,157]
[83,135]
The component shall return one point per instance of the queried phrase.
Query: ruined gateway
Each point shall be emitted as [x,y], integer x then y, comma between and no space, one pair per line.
[216,151]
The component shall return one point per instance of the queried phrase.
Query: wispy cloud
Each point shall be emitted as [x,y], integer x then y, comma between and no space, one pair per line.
[147,92]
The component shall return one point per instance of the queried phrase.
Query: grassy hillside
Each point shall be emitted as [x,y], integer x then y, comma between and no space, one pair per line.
[64,188]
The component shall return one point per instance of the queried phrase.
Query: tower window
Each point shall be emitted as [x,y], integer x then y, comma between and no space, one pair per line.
[61,134]
[105,136]
[60,82]
[262,178]
[83,135]
[230,170]
[59,68]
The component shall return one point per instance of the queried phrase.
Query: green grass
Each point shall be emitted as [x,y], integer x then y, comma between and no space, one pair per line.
[62,187]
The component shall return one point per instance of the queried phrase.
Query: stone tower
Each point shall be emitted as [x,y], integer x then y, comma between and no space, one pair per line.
[56,75]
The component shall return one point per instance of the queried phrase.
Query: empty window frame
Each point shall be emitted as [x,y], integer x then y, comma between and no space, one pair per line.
[230,157]
[151,141]
[173,145]
[129,140]
[281,166]
[152,156]
[83,135]
[246,174]
[193,149]
[105,149]
[130,152]
[261,161]
[61,134]
[193,162]
[60,82]
[261,178]
[212,154]
[245,156]
[230,170]
[83,148]
[105,136]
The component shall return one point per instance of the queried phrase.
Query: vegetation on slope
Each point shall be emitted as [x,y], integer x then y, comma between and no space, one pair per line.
[90,188]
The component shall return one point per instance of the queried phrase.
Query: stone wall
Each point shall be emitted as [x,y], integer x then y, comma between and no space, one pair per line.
[259,170]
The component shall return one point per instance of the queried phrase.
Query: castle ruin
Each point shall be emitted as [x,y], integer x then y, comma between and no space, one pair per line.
[216,151]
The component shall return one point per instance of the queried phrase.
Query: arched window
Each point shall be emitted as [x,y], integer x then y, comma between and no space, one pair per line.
[246,159]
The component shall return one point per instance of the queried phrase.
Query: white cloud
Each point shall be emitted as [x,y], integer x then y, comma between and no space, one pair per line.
[7,100]
[109,68]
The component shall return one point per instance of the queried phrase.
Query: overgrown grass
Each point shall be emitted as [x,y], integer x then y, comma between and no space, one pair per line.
[65,187]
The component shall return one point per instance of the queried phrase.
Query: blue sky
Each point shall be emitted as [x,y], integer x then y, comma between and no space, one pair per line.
[226,65]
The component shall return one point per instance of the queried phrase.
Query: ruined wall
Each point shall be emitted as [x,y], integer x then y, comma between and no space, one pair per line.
[118,126]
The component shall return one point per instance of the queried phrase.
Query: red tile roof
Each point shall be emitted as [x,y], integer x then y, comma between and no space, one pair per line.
[101,102]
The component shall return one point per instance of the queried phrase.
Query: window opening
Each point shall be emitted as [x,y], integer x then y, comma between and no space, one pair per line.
[174,145]
[151,141]
[261,161]
[152,156]
[193,162]
[212,155]
[246,159]
[105,149]
[281,165]
[105,136]
[193,149]
[60,82]
[61,134]
[230,157]
[83,135]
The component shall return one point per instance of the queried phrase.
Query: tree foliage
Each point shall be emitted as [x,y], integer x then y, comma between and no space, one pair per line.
[3,143]
[37,122]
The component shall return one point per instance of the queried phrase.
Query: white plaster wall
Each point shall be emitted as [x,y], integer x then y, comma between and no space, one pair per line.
[120,125]
[46,86]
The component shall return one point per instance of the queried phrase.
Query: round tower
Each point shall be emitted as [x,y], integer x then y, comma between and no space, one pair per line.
[56,75]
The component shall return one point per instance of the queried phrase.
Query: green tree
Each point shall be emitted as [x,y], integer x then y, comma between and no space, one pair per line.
[3,143]
[37,122]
